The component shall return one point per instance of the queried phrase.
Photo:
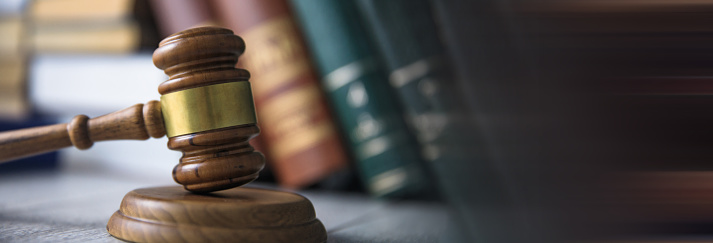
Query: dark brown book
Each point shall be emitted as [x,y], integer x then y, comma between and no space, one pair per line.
[176,15]
[297,127]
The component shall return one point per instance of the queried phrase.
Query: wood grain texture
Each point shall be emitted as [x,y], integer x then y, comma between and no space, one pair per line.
[216,159]
[82,132]
[170,214]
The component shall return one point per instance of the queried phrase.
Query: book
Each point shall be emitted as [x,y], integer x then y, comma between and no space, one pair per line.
[117,37]
[14,105]
[173,16]
[420,69]
[79,10]
[85,26]
[13,67]
[296,124]
[370,114]
[13,30]
[408,39]
[143,13]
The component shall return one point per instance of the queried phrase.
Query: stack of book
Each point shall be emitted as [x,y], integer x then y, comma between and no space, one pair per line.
[15,110]
[13,63]
[53,41]
[82,26]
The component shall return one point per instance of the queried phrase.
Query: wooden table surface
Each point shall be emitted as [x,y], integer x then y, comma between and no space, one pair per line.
[74,205]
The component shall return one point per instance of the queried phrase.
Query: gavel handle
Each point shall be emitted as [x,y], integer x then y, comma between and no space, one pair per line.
[137,122]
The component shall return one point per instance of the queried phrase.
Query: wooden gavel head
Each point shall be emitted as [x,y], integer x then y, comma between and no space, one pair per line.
[208,109]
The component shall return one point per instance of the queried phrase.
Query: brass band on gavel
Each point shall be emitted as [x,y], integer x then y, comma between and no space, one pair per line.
[207,108]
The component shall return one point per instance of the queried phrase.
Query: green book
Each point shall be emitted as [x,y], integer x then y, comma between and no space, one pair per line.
[408,38]
[387,154]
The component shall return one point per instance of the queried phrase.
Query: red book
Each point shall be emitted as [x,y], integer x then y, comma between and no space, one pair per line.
[297,127]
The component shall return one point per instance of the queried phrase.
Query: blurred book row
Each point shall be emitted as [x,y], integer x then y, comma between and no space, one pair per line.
[351,95]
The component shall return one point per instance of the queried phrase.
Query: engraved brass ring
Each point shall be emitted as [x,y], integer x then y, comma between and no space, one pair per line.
[207,108]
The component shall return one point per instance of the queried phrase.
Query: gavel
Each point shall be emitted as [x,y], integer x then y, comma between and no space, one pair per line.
[206,110]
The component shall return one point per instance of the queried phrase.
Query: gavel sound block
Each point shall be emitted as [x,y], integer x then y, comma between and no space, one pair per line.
[207,111]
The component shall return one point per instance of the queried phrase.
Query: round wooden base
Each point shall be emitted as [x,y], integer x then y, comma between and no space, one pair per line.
[172,214]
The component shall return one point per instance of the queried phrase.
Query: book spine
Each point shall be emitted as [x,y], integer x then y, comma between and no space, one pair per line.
[466,170]
[173,16]
[14,103]
[13,66]
[297,127]
[71,27]
[408,39]
[386,153]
